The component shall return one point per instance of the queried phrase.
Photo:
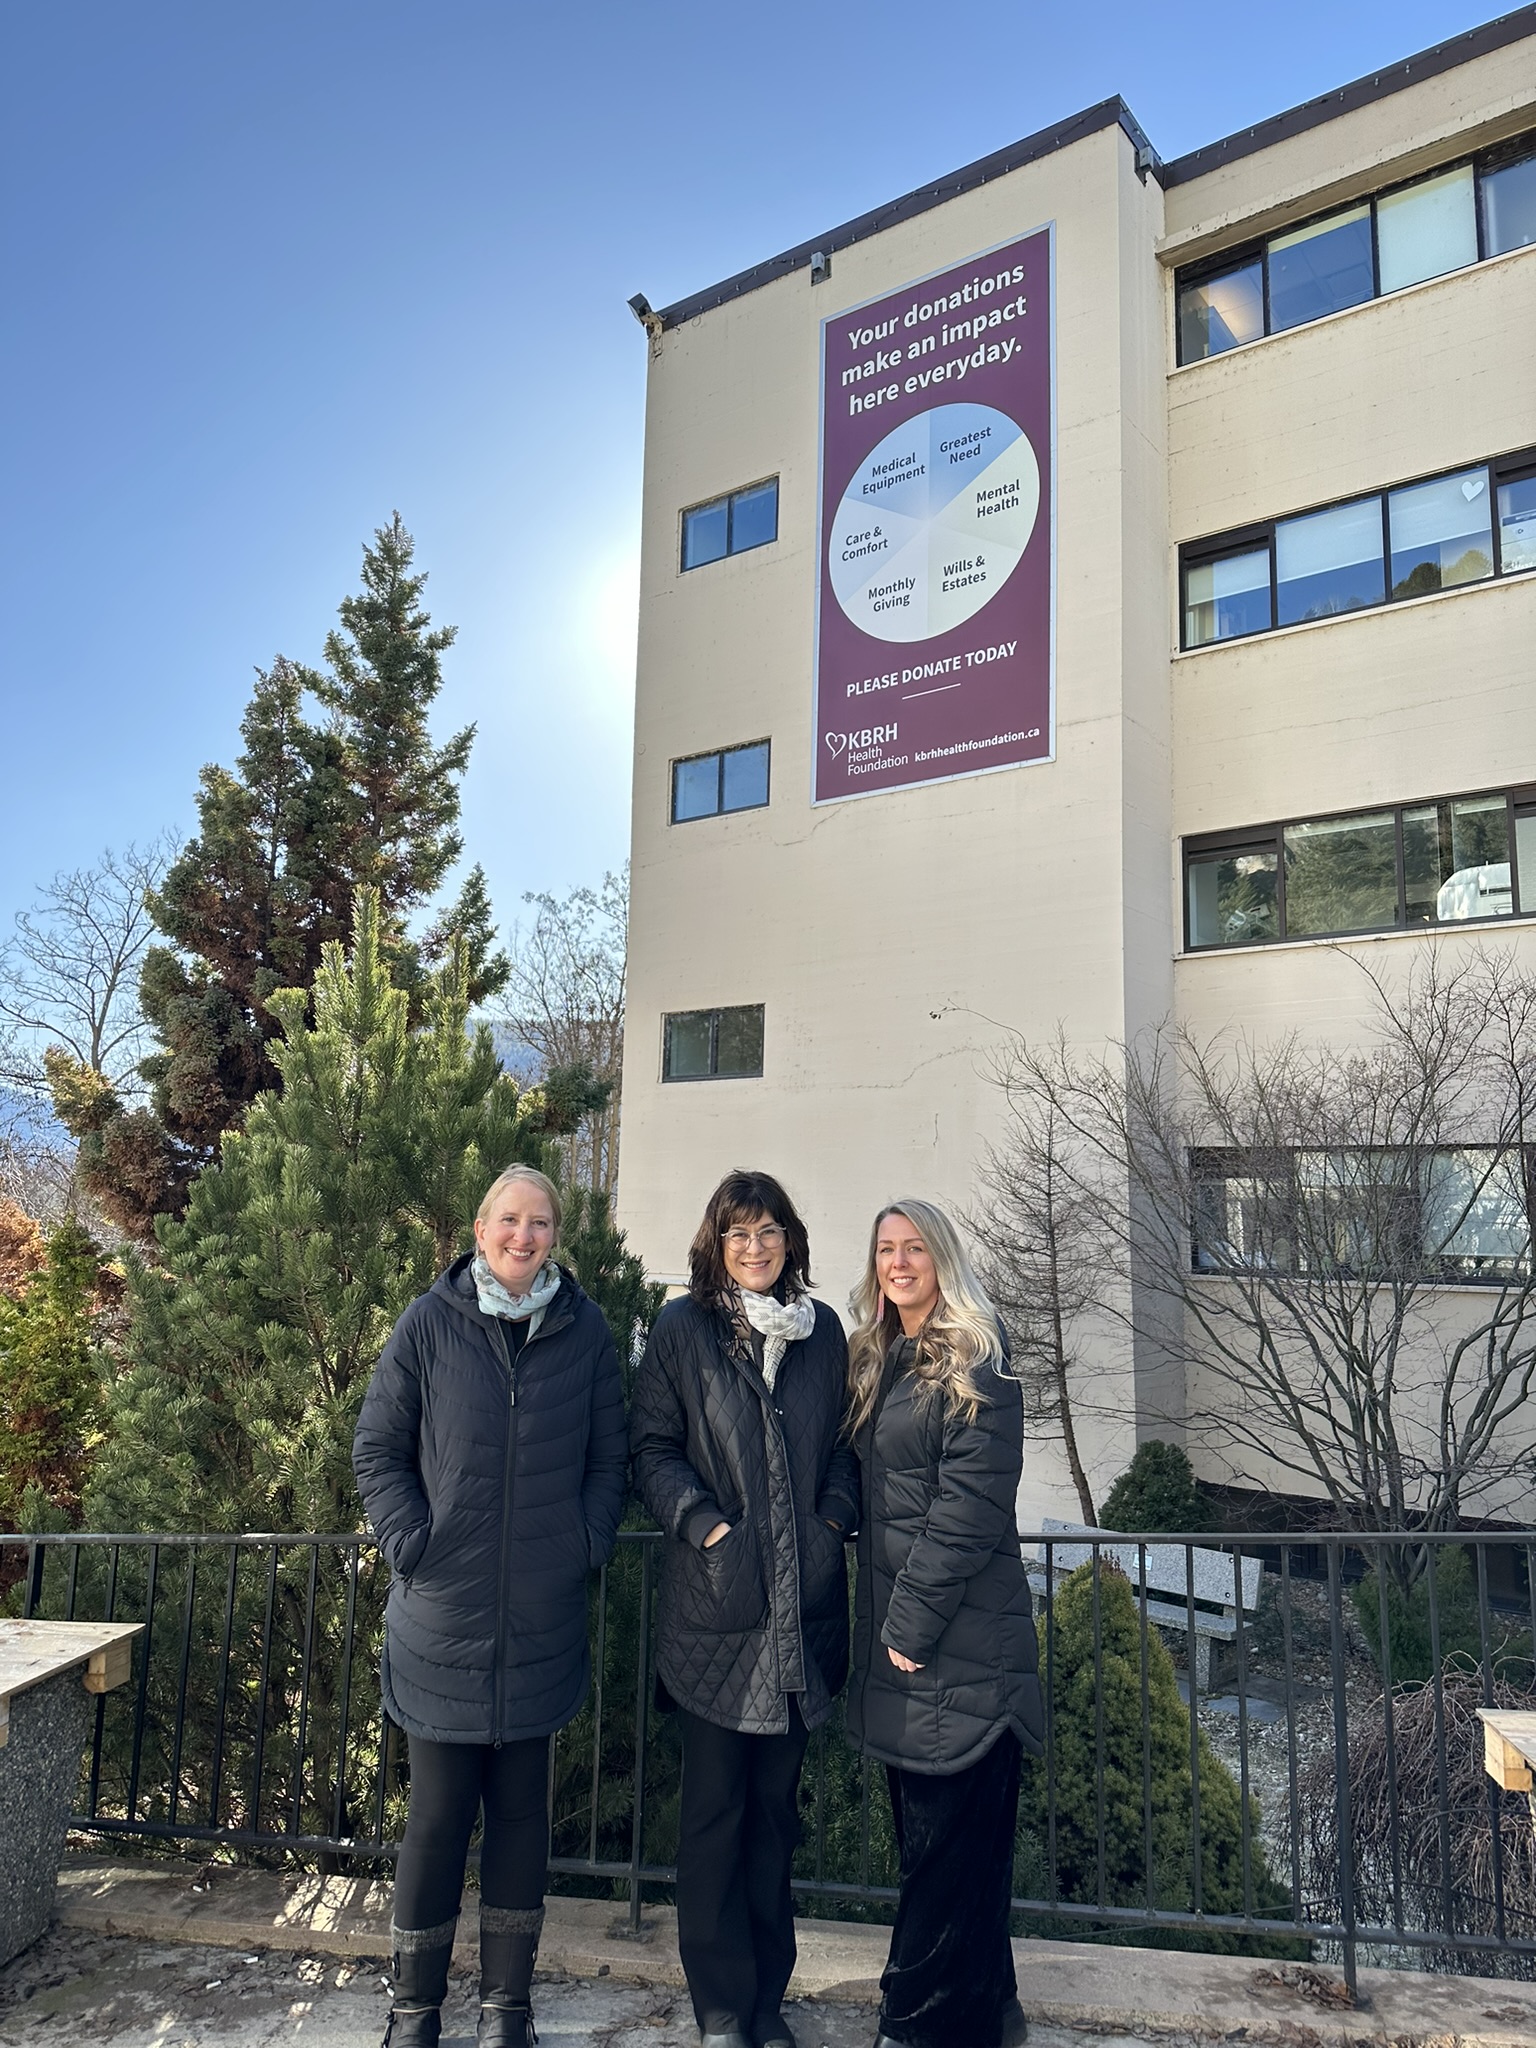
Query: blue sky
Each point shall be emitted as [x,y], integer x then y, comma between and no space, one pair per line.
[273,271]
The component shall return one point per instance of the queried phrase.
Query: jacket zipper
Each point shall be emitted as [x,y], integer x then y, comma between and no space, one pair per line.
[498,1688]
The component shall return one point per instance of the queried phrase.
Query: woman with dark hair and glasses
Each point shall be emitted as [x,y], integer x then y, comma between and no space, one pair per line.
[736,1431]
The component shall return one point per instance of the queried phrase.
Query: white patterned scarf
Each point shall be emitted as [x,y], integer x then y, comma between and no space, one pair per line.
[778,1323]
[496,1301]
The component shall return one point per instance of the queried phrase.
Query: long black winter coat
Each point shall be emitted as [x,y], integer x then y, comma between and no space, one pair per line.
[494,1485]
[941,1578]
[764,1613]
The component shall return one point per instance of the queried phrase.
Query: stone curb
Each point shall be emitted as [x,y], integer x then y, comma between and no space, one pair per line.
[1164,1996]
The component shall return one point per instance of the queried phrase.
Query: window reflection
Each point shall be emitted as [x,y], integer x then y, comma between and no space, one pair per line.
[1426,230]
[1232,899]
[1456,860]
[1442,533]
[1329,562]
[1218,313]
[1321,269]
[1517,524]
[1341,875]
[704,533]
[695,788]
[1227,598]
[1474,1224]
[1509,206]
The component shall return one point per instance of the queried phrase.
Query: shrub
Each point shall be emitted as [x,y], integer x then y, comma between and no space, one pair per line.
[1157,1494]
[1080,1694]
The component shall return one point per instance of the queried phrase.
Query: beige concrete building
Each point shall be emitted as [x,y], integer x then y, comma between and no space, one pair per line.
[1287,519]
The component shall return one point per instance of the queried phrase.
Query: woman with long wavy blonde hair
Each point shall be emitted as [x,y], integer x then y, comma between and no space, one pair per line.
[944,1690]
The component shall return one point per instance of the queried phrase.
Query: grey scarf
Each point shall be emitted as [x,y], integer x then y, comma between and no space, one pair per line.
[496,1301]
[778,1323]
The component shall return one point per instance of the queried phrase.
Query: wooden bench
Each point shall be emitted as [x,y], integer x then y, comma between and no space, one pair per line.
[1221,1597]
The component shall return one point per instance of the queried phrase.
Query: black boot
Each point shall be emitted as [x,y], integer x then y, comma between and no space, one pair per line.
[421,1956]
[1015,2025]
[509,1942]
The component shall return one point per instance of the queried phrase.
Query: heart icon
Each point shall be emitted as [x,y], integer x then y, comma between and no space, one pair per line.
[838,742]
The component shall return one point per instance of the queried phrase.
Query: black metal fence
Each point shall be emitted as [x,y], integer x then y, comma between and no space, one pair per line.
[1328,1796]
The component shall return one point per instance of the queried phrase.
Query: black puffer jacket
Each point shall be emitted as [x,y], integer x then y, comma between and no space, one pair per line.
[764,1613]
[941,1578]
[493,1487]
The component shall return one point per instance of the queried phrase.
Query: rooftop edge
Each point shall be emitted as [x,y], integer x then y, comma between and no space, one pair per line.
[1197,163]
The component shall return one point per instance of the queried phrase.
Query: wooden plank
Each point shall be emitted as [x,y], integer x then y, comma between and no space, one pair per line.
[32,1652]
[1509,1747]
[110,1667]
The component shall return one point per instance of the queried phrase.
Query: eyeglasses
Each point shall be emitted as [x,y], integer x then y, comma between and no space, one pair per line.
[768,1239]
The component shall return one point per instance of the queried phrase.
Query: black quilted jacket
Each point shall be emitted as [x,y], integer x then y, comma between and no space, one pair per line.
[941,1579]
[493,1487]
[764,1613]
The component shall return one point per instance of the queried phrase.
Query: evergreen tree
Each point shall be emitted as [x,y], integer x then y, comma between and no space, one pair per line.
[1081,1694]
[313,811]
[50,1384]
[594,1249]
[251,1340]
[1157,1494]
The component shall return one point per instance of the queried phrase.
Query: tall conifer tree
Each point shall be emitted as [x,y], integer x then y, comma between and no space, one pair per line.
[313,811]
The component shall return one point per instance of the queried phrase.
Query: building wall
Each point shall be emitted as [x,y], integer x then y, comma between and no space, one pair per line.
[895,938]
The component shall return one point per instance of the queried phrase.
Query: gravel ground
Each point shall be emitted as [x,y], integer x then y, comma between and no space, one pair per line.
[82,1990]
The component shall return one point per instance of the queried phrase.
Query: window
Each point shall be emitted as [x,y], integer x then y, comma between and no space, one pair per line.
[1457,1214]
[1227,596]
[1485,206]
[1508,191]
[1233,898]
[712,1045]
[1435,534]
[1328,562]
[1517,515]
[1221,311]
[1320,269]
[729,526]
[1426,229]
[1341,875]
[706,784]
[1442,533]
[1443,861]
[1456,861]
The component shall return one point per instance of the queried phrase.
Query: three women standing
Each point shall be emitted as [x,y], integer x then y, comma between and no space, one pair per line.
[490,1456]
[944,1689]
[739,1453]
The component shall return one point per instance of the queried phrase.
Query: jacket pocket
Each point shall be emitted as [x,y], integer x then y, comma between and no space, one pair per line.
[729,1596]
[823,1574]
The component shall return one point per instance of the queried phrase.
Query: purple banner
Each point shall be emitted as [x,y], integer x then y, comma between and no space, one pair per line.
[934,643]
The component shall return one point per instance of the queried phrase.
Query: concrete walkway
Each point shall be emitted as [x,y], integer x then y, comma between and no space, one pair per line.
[157,1955]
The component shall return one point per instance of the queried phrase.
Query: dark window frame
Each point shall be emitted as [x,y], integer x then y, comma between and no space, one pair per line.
[1512,467]
[714,1015]
[718,754]
[728,500]
[1516,149]
[1519,801]
[1277,1168]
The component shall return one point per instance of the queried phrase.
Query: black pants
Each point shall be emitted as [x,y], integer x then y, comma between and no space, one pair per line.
[738,1828]
[450,1782]
[950,1974]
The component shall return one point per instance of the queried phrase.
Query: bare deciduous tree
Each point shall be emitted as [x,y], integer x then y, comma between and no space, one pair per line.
[1043,1251]
[69,973]
[1295,1217]
[565,1009]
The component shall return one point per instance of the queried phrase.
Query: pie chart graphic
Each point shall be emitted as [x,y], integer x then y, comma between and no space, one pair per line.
[934,521]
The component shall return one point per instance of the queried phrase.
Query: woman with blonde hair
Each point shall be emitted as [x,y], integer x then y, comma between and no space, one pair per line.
[944,1690]
[490,1455]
